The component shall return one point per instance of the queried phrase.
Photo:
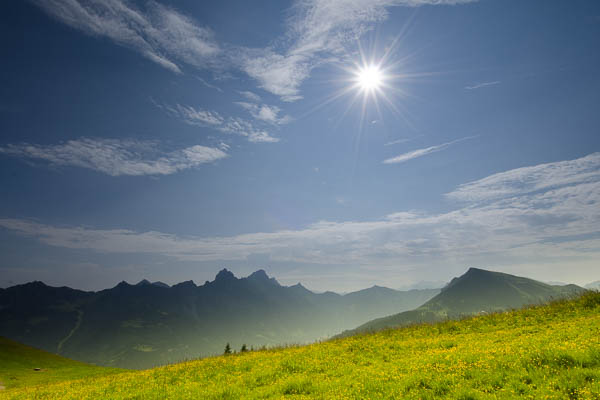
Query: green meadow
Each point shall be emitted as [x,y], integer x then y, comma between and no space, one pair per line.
[541,352]
[23,366]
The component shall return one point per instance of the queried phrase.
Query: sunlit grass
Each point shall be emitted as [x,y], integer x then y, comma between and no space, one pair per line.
[25,366]
[546,352]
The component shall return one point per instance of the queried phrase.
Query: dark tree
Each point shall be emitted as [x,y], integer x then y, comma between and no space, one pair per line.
[243,349]
[227,349]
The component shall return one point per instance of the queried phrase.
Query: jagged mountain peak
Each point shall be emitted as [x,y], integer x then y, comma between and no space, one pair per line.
[261,276]
[473,274]
[300,288]
[185,284]
[225,275]
[298,285]
[35,284]
[474,270]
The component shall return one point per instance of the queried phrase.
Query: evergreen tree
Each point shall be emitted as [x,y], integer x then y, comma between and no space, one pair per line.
[227,349]
[244,348]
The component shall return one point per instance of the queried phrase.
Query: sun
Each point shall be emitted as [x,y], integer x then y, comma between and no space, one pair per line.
[374,80]
[369,78]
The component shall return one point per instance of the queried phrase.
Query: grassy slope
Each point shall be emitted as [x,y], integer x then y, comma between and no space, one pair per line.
[541,352]
[17,363]
[476,291]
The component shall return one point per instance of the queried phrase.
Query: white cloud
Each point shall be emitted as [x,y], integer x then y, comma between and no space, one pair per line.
[262,137]
[318,30]
[525,180]
[268,114]
[213,119]
[250,95]
[422,152]
[543,224]
[224,146]
[159,33]
[481,85]
[192,116]
[116,157]
[397,142]
[280,75]
[265,113]
[209,85]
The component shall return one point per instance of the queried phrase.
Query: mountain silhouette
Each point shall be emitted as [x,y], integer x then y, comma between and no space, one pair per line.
[477,291]
[147,324]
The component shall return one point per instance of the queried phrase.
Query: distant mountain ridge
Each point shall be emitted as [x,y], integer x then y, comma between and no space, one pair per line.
[151,323]
[147,282]
[593,285]
[477,291]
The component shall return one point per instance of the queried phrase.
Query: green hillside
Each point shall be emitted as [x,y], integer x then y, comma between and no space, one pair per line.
[18,364]
[543,352]
[477,291]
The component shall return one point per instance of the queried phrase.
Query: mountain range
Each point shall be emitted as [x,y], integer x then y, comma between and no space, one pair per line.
[152,323]
[147,324]
[593,285]
[478,291]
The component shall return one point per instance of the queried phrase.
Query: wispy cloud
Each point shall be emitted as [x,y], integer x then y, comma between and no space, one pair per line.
[422,152]
[481,85]
[543,223]
[116,157]
[318,30]
[397,142]
[209,85]
[212,119]
[159,33]
[276,73]
[520,181]
[265,113]
[224,146]
[193,116]
[261,137]
[250,95]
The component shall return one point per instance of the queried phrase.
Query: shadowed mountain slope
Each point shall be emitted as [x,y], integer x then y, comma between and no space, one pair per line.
[147,324]
[477,291]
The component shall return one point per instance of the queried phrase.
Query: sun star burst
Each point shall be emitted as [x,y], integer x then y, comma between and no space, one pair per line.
[369,78]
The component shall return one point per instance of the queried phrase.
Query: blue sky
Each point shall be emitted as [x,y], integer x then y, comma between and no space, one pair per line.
[167,140]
